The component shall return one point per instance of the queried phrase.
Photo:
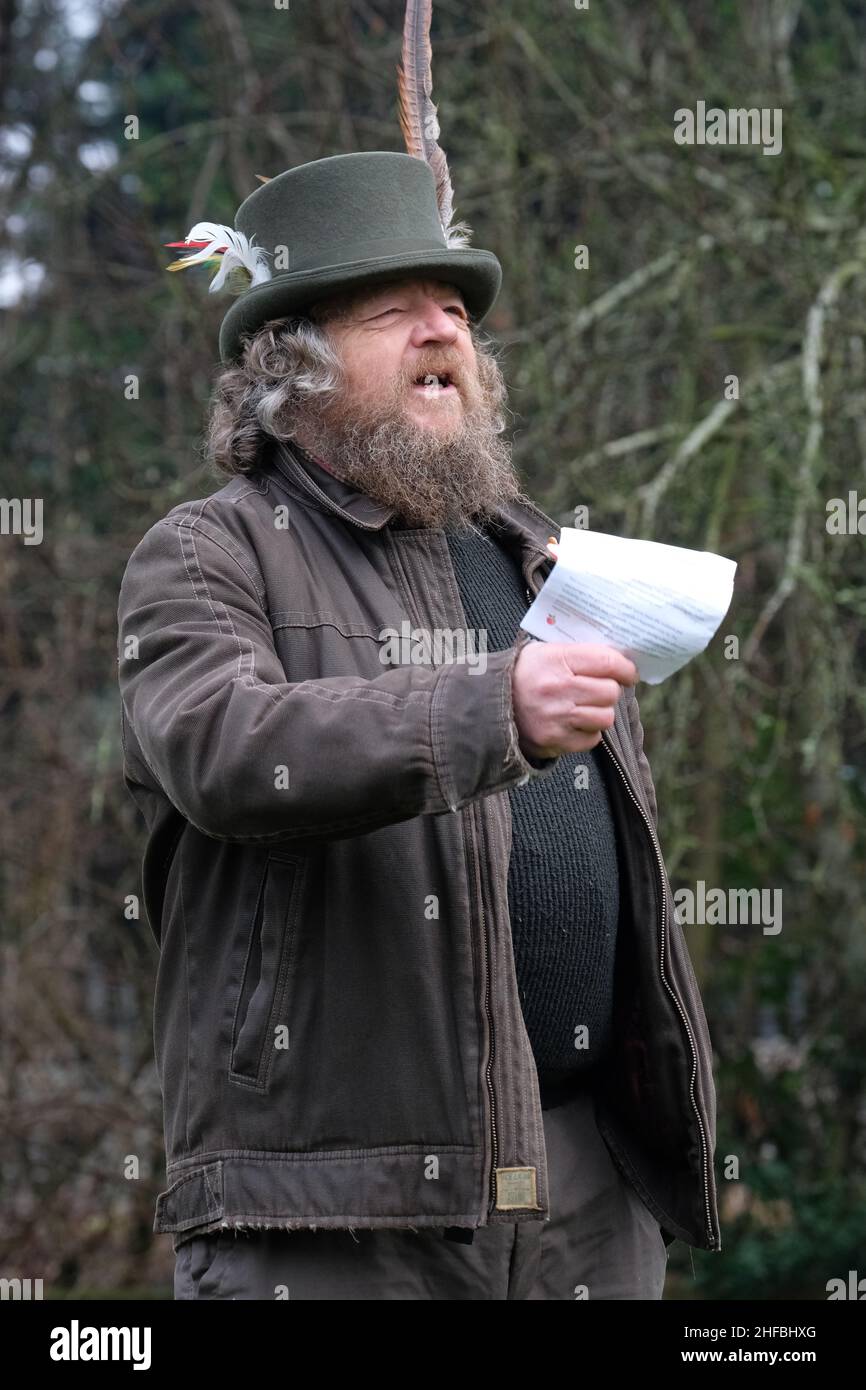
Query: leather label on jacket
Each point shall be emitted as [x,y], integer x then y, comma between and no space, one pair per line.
[515,1189]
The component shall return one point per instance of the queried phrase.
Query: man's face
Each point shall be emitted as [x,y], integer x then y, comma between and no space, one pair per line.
[417,418]
[403,340]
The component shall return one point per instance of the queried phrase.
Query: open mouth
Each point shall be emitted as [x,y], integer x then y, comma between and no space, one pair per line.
[433,384]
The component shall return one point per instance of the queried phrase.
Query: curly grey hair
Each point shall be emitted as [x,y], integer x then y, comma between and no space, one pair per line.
[285,362]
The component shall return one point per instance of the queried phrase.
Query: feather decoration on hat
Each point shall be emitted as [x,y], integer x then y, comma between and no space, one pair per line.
[418,119]
[239,263]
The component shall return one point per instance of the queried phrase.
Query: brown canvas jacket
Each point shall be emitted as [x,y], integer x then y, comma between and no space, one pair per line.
[338,1033]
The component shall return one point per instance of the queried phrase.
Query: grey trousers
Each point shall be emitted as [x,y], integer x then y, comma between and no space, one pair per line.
[601,1242]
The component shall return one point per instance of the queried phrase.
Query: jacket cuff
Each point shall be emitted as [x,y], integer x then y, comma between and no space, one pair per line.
[540,764]
[475,739]
[535,766]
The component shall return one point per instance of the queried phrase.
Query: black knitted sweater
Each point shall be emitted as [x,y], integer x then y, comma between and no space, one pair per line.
[563,878]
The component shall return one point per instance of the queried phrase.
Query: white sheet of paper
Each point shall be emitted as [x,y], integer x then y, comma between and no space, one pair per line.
[658,604]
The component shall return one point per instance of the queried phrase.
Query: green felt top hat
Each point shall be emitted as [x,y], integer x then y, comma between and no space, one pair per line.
[333,224]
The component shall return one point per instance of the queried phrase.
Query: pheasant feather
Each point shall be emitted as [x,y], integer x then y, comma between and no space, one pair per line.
[418,116]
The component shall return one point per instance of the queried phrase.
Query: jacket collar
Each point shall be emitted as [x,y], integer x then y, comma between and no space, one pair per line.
[323,489]
[523,525]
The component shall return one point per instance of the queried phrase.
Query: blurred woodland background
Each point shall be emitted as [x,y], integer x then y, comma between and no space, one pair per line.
[704,263]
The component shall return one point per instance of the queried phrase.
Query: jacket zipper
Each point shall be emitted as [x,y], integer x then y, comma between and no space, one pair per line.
[667,984]
[488,1071]
[529,570]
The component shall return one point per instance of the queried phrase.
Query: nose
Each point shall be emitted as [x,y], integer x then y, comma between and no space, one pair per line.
[434,324]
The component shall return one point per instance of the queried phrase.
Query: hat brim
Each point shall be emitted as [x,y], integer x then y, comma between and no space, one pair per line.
[477,274]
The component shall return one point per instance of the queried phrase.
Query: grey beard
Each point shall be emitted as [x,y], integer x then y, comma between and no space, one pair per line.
[429,479]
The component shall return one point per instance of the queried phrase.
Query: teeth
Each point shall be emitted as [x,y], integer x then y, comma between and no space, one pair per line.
[432,382]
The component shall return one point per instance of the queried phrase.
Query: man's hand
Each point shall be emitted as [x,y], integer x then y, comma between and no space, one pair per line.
[564,694]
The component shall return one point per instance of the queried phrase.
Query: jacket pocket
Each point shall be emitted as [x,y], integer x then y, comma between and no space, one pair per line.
[264,999]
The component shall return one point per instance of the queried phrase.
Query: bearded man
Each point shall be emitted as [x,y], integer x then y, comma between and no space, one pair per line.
[425,1021]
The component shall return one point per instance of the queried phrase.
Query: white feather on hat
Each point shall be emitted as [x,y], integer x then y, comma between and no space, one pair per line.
[233,253]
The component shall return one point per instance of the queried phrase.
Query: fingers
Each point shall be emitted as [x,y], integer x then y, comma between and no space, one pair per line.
[598,661]
[565,693]
[591,718]
[590,691]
